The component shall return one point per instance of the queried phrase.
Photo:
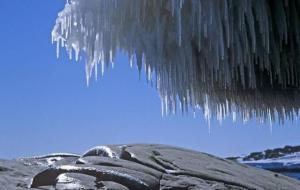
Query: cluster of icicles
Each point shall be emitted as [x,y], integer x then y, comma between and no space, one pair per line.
[225,57]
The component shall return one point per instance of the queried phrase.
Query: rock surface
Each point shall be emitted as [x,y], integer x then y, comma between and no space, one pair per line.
[137,167]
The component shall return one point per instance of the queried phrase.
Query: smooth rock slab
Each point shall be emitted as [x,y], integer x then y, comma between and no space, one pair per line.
[138,167]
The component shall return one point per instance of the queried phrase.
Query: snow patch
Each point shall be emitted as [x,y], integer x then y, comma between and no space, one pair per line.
[289,159]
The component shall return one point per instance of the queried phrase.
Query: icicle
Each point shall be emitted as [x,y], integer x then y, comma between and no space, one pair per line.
[131,61]
[218,55]
[111,58]
[162,108]
[57,48]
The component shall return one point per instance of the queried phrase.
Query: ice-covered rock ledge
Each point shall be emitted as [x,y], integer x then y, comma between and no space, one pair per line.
[137,167]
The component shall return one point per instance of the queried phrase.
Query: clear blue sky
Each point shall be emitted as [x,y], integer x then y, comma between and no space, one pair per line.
[45,105]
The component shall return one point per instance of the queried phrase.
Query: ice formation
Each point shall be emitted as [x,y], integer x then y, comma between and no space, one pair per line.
[229,57]
[101,151]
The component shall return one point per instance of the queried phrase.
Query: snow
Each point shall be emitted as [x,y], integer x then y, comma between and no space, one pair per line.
[230,37]
[289,159]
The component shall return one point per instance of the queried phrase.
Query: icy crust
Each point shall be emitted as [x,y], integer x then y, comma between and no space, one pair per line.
[104,151]
[62,155]
[49,160]
[223,57]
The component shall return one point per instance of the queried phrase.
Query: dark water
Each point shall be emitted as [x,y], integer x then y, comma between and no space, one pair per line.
[292,174]
[291,170]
